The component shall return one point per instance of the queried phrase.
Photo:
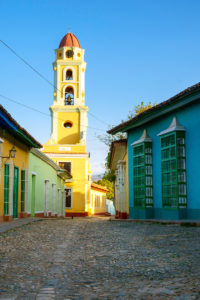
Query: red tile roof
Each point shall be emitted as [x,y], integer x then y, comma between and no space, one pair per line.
[96,186]
[69,40]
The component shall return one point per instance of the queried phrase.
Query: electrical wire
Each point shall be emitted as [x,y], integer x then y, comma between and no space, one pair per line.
[43,113]
[42,76]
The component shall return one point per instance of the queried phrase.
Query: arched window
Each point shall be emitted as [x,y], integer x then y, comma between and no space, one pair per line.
[69,96]
[68,124]
[69,75]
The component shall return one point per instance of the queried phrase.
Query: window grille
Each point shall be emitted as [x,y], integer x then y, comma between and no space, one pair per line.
[23,184]
[173,168]
[6,188]
[142,175]
[103,201]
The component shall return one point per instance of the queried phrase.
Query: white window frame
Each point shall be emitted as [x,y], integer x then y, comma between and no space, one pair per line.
[65,161]
[73,74]
[70,84]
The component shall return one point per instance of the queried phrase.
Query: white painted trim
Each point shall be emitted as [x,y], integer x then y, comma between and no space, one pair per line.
[1,141]
[67,155]
[64,73]
[69,84]
[26,189]
[70,63]
[63,161]
[33,174]
[63,206]
[58,202]
[58,97]
[68,108]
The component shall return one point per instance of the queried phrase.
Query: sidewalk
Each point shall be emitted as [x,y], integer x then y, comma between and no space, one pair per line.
[156,221]
[5,226]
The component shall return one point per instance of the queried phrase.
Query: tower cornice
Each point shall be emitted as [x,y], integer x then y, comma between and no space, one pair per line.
[62,108]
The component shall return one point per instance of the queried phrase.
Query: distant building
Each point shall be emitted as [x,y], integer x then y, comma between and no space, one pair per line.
[119,163]
[46,190]
[110,209]
[98,199]
[163,158]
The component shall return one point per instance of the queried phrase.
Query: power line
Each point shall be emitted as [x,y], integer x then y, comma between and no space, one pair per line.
[26,63]
[43,113]
[42,76]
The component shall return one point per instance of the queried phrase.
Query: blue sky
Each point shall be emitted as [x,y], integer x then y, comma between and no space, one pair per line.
[144,50]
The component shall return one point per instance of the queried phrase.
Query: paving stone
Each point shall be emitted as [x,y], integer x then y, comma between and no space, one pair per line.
[93,258]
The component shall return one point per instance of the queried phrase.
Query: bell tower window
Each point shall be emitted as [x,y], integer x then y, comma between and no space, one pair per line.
[69,96]
[69,75]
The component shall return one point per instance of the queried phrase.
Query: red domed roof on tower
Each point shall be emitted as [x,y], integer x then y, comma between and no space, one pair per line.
[69,40]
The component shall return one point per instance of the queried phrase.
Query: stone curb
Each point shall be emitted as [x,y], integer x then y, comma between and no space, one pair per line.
[6,226]
[192,223]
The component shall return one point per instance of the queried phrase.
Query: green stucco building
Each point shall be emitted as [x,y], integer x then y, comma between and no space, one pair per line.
[46,186]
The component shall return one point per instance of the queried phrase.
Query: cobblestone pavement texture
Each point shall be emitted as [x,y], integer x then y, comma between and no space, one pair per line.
[94,258]
[5,226]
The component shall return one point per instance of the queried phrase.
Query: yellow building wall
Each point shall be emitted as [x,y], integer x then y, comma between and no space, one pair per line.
[66,141]
[79,170]
[21,161]
[68,135]
[98,208]
[63,82]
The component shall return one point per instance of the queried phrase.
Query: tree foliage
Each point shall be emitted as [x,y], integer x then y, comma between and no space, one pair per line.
[107,139]
[107,183]
[140,108]
[109,175]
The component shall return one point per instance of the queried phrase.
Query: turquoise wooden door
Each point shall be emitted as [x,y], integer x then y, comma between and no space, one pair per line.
[6,189]
[15,192]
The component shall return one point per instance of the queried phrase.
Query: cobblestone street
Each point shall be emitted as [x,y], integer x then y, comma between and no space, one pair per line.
[95,258]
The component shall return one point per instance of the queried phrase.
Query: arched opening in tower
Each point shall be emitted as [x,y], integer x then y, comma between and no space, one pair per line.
[69,96]
[69,75]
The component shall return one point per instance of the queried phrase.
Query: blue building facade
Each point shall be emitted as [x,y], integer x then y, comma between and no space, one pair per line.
[164,159]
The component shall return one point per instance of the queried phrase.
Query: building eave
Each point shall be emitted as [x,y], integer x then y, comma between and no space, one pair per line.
[184,98]
[12,126]
[121,145]
[61,173]
[100,188]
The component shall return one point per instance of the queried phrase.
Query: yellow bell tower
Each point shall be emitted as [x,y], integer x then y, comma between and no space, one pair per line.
[67,144]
